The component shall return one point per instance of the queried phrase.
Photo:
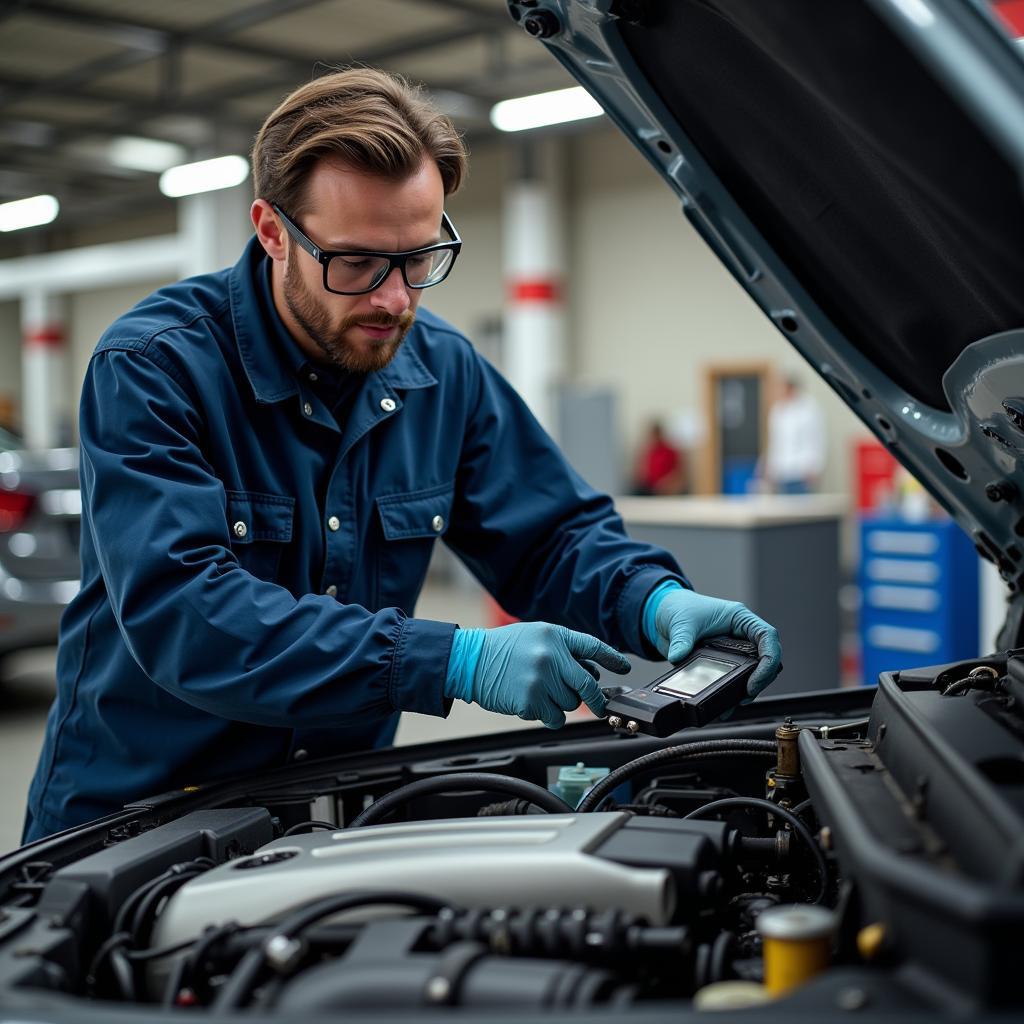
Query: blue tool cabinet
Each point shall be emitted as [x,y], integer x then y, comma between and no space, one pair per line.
[919,594]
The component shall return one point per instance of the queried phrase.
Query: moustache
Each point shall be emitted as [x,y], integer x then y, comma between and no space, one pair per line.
[379,318]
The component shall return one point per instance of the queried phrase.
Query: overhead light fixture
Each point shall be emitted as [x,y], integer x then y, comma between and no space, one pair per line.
[138,154]
[544,108]
[28,213]
[204,176]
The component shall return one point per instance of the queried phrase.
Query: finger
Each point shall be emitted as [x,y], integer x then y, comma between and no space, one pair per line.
[766,671]
[591,668]
[549,716]
[770,664]
[588,690]
[764,634]
[564,696]
[553,720]
[582,645]
[680,643]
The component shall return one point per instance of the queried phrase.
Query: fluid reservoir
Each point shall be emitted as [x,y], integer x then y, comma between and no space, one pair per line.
[574,782]
[797,944]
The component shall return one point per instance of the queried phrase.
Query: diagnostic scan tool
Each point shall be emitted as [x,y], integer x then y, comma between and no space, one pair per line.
[709,681]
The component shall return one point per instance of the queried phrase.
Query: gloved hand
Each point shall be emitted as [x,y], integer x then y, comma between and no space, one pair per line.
[531,669]
[675,618]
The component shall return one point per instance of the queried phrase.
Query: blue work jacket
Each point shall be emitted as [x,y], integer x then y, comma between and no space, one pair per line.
[251,559]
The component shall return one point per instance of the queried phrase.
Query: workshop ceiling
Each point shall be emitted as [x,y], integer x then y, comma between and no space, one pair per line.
[78,75]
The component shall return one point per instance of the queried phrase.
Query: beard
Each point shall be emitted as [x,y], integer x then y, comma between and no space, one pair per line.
[331,338]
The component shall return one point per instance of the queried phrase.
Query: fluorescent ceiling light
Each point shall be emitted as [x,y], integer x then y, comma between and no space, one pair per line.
[543,109]
[204,176]
[138,154]
[28,213]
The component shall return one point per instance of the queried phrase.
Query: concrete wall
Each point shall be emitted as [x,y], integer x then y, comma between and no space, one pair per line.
[651,306]
[473,295]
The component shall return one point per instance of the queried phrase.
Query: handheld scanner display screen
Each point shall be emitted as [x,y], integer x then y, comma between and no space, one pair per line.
[694,677]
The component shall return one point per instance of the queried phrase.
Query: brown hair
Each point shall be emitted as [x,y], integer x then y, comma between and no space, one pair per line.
[372,120]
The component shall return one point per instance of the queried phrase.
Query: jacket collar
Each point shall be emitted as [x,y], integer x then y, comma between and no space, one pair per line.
[263,341]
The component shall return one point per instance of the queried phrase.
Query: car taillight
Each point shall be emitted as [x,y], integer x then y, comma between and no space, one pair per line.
[14,507]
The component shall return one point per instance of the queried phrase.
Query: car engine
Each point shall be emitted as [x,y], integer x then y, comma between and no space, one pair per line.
[837,851]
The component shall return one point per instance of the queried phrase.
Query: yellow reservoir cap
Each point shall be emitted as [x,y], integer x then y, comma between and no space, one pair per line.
[870,940]
[797,944]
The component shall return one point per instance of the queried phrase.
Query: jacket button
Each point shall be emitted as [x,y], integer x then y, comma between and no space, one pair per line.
[300,755]
[240,529]
[307,408]
[437,523]
[334,523]
[331,591]
[388,404]
[313,377]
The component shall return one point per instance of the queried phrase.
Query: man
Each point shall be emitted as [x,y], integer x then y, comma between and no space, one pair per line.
[269,454]
[796,452]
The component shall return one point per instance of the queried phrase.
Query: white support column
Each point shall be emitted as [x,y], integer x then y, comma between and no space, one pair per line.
[534,351]
[44,399]
[214,228]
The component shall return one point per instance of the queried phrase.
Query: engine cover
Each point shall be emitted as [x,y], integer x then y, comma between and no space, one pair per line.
[545,860]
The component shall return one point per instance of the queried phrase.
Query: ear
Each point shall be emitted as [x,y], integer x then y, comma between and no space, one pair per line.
[269,229]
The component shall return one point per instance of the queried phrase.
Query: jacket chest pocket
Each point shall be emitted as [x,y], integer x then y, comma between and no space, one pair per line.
[260,526]
[410,523]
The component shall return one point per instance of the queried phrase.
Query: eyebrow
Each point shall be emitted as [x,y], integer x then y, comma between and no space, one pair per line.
[352,247]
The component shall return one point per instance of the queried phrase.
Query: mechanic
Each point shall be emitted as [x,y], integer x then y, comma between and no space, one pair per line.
[268,454]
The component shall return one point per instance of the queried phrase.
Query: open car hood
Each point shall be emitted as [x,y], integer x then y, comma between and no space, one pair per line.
[857,167]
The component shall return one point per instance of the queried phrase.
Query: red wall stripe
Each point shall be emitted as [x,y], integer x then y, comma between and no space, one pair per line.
[534,290]
[50,336]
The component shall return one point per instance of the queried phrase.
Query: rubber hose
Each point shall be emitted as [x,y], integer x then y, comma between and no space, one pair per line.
[683,752]
[454,783]
[735,802]
[236,990]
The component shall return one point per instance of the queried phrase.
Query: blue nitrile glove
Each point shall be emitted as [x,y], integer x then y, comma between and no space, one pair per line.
[535,670]
[675,618]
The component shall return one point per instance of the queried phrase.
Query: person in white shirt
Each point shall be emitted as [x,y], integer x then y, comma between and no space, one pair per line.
[795,455]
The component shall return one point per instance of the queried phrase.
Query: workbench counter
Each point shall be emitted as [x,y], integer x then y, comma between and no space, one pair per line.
[777,554]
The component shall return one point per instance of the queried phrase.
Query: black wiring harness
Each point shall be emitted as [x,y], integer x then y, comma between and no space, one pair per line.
[701,750]
[456,782]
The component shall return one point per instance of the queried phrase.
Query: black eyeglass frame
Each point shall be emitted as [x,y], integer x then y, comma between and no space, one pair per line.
[395,259]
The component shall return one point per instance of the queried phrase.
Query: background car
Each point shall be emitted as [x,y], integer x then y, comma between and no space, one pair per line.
[40,513]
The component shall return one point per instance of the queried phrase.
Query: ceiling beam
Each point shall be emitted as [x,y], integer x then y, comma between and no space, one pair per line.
[218,33]
[214,103]
[144,40]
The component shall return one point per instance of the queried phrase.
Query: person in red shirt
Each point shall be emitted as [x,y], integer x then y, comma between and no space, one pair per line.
[661,467]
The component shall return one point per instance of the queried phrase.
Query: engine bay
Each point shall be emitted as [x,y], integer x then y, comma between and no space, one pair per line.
[845,850]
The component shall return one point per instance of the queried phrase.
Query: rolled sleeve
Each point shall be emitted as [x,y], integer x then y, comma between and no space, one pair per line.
[630,606]
[419,667]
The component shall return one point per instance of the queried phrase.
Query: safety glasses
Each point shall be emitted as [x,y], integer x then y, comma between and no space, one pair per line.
[357,271]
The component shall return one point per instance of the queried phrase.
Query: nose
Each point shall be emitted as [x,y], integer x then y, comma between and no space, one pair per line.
[391,295]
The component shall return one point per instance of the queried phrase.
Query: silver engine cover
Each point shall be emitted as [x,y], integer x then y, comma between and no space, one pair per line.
[530,860]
